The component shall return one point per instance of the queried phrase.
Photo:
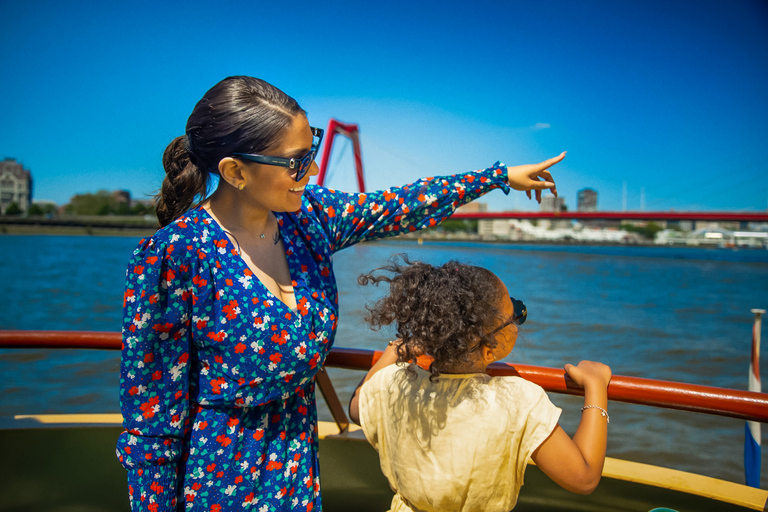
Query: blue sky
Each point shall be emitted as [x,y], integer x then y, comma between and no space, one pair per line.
[669,97]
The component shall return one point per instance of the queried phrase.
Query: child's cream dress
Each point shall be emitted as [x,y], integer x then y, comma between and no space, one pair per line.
[460,443]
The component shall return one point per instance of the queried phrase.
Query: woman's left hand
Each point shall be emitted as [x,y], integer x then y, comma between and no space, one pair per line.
[534,177]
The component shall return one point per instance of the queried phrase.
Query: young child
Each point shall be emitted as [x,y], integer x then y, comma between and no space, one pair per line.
[454,438]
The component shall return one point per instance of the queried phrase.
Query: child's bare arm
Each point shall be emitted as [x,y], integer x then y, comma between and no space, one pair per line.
[577,464]
[387,358]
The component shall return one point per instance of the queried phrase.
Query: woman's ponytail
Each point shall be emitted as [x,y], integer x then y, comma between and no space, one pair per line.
[183,182]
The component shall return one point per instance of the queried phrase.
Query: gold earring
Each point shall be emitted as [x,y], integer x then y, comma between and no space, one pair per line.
[493,357]
[241,186]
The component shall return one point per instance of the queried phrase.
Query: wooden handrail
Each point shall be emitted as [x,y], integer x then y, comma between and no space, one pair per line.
[732,403]
[635,390]
[61,339]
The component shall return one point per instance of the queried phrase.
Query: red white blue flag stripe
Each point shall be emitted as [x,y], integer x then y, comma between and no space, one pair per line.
[752,429]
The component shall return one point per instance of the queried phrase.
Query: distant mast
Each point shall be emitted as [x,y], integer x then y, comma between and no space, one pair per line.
[624,196]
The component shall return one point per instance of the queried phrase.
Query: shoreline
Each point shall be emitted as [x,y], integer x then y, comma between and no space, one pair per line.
[421,240]
[79,226]
[141,228]
[38,230]
[72,229]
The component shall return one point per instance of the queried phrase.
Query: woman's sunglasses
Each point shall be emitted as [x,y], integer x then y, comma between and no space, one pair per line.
[300,166]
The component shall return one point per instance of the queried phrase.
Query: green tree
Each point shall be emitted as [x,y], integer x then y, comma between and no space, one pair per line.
[648,231]
[89,204]
[142,209]
[102,202]
[121,208]
[34,209]
[459,225]
[13,209]
[42,209]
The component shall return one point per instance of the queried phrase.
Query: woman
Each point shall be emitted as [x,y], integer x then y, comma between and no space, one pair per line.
[231,307]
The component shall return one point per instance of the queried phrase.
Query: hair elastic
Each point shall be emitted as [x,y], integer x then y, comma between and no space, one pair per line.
[188,143]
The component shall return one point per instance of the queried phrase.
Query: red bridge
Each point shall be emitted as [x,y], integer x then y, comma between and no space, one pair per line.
[353,133]
[703,216]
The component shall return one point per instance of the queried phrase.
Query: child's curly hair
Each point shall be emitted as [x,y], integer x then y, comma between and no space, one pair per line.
[444,312]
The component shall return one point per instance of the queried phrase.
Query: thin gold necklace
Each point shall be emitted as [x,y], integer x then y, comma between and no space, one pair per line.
[275,238]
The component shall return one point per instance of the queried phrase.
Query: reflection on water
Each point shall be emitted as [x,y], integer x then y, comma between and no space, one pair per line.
[662,313]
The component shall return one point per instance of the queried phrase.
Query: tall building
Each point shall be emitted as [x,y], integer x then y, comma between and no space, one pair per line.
[587,200]
[15,185]
[550,203]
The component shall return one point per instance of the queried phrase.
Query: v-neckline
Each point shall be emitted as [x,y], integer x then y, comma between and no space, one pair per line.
[239,257]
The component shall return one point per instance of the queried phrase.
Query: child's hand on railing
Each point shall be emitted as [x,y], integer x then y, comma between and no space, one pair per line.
[589,373]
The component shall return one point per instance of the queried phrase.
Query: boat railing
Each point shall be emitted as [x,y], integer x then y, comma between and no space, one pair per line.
[746,405]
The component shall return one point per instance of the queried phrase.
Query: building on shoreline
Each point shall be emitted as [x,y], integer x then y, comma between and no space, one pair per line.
[586,200]
[551,203]
[713,234]
[15,185]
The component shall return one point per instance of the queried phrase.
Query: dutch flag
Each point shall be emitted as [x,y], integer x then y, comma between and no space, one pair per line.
[752,428]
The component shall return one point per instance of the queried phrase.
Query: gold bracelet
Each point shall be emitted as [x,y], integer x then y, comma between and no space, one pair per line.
[603,412]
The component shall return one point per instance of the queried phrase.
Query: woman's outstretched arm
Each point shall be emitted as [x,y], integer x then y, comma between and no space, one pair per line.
[352,218]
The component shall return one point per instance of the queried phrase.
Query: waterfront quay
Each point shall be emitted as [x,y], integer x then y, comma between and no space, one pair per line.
[706,229]
[698,229]
[128,225]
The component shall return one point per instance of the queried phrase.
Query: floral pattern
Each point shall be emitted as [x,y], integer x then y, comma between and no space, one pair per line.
[217,389]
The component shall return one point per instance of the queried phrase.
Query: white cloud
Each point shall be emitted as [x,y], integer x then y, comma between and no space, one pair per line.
[540,126]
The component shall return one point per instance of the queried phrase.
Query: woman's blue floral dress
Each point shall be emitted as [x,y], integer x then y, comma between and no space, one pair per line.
[217,389]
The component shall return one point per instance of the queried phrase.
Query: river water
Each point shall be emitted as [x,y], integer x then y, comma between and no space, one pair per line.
[679,314]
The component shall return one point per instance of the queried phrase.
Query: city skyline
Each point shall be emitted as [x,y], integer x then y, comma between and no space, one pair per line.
[669,97]
[26,194]
[548,203]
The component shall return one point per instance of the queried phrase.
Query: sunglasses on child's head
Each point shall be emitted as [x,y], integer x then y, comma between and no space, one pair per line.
[300,166]
[517,318]
[521,312]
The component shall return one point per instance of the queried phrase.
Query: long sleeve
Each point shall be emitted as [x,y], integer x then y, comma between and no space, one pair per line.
[154,380]
[351,218]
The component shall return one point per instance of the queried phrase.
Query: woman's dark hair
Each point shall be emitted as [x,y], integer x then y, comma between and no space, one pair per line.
[441,311]
[240,114]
